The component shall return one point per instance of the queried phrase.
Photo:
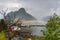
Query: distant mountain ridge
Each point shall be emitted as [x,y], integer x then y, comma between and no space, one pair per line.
[46,18]
[20,13]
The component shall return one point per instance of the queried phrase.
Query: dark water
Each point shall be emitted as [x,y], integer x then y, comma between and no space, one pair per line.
[37,30]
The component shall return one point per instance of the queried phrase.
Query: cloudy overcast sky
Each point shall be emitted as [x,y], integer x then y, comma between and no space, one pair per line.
[38,8]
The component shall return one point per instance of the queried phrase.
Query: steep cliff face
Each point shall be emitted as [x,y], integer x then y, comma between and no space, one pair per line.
[20,13]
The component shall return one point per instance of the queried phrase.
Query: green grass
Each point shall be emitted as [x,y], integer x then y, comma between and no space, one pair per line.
[2,36]
[37,38]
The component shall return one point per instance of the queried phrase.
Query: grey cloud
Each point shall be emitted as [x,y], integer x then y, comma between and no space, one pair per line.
[8,1]
[41,8]
[37,8]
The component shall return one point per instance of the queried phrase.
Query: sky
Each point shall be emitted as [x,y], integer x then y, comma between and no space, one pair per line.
[37,8]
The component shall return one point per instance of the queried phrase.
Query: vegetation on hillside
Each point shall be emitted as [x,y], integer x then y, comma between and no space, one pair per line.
[52,28]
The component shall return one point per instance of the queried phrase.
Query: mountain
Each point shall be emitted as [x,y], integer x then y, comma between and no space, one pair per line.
[46,18]
[20,13]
